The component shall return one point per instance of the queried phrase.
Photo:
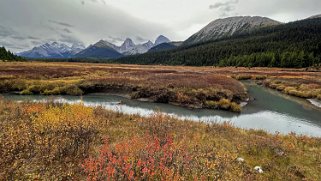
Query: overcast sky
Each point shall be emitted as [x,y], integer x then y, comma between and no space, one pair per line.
[28,23]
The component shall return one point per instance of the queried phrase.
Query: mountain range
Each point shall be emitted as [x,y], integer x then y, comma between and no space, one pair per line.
[101,49]
[53,50]
[266,43]
[216,30]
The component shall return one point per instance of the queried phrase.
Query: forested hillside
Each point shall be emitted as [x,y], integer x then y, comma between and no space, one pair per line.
[295,44]
[7,55]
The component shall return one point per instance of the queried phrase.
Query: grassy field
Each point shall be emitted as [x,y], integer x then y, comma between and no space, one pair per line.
[175,85]
[195,87]
[63,142]
[48,141]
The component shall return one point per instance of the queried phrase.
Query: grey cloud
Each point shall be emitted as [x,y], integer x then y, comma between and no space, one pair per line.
[223,4]
[115,40]
[69,39]
[225,7]
[10,45]
[140,39]
[18,37]
[33,38]
[66,30]
[36,42]
[83,2]
[5,31]
[61,23]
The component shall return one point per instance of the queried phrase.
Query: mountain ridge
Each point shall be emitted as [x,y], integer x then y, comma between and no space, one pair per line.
[227,27]
[52,50]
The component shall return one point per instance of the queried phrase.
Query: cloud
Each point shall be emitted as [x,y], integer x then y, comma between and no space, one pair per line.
[5,31]
[223,4]
[224,7]
[66,30]
[83,2]
[140,39]
[32,38]
[10,45]
[61,23]
[69,39]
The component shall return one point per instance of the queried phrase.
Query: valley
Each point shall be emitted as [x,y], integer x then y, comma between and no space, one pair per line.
[94,90]
[193,87]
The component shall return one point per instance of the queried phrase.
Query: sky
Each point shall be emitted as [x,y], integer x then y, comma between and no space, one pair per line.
[28,23]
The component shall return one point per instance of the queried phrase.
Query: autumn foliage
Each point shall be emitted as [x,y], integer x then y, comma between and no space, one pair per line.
[48,141]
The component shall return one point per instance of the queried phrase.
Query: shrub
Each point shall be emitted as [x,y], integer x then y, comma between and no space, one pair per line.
[235,107]
[260,77]
[138,159]
[45,141]
[211,104]
[73,90]
[242,77]
[55,91]
[224,104]
[26,92]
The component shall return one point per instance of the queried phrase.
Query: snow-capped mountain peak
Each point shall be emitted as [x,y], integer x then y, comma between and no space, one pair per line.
[226,27]
[148,44]
[315,16]
[127,45]
[161,39]
[51,50]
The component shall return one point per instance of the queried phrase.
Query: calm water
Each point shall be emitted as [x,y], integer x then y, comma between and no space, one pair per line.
[270,110]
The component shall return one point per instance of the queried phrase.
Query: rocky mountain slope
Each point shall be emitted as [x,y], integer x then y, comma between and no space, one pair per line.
[226,27]
[53,50]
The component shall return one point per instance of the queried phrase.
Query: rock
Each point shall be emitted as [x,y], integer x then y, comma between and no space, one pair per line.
[240,159]
[279,152]
[258,169]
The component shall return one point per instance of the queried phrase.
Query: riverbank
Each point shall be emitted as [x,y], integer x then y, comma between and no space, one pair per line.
[159,84]
[193,87]
[55,141]
[268,110]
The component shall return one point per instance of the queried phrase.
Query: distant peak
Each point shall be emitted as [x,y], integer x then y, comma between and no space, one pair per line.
[315,16]
[161,39]
[128,43]
[104,43]
[129,40]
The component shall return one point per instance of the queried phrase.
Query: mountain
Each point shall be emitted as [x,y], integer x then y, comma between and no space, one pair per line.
[161,39]
[101,49]
[130,48]
[128,45]
[315,16]
[52,50]
[294,44]
[165,46]
[226,27]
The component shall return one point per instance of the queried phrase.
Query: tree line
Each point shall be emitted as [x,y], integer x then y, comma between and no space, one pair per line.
[291,59]
[8,56]
[295,44]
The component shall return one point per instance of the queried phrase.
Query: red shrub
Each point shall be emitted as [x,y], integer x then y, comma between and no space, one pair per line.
[138,159]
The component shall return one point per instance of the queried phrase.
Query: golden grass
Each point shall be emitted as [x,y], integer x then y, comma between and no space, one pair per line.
[65,142]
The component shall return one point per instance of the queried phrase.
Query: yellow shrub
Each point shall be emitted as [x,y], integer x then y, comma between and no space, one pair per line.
[224,104]
[235,107]
[65,117]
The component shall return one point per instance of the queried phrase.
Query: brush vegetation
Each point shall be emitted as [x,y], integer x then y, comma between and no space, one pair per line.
[193,87]
[158,84]
[47,141]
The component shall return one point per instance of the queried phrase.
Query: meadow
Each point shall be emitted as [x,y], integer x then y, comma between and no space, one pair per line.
[47,141]
[52,141]
[193,87]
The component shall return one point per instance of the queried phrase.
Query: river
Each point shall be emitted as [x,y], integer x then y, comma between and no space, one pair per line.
[270,110]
